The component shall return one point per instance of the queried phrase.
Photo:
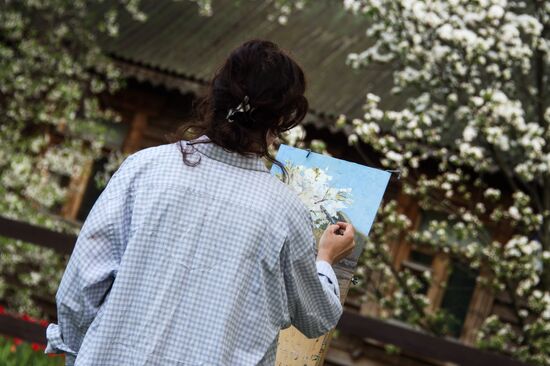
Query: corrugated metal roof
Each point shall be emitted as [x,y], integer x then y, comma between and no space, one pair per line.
[176,40]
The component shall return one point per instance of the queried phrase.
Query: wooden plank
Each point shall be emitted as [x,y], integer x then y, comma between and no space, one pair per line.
[341,358]
[505,313]
[77,188]
[409,340]
[485,301]
[27,331]
[440,274]
[133,140]
[401,249]
[61,242]
[419,343]
[480,308]
[348,350]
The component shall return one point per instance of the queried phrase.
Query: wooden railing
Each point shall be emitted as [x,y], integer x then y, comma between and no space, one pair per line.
[27,331]
[410,341]
[418,343]
[60,242]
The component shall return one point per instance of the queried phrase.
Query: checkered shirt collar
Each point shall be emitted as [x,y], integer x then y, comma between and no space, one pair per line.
[217,152]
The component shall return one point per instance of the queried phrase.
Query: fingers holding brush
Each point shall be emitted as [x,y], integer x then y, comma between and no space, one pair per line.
[337,242]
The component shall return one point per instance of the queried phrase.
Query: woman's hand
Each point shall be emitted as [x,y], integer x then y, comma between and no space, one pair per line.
[333,246]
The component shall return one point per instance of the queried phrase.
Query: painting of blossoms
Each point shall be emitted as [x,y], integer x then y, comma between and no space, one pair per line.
[337,188]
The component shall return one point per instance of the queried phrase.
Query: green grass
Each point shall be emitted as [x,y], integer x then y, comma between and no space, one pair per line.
[22,354]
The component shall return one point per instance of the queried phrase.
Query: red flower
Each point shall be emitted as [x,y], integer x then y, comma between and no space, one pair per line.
[43,323]
[37,347]
[28,318]
[17,341]
[2,310]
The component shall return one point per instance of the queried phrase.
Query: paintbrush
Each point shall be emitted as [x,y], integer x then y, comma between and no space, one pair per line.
[331,220]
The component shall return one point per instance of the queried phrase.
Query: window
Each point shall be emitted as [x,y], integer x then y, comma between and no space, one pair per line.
[460,288]
[452,283]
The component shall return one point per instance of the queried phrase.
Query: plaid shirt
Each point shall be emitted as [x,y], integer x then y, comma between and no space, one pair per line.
[180,265]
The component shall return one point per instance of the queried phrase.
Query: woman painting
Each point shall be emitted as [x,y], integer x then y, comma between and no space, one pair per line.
[194,254]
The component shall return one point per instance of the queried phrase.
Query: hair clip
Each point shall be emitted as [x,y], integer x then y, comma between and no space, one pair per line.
[243,107]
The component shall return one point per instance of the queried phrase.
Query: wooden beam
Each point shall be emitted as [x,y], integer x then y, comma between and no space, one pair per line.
[410,341]
[419,343]
[483,298]
[63,243]
[27,331]
[77,188]
[481,306]
[401,249]
[132,143]
[348,350]
[440,274]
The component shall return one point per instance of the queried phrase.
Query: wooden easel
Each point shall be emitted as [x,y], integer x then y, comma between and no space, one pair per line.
[294,349]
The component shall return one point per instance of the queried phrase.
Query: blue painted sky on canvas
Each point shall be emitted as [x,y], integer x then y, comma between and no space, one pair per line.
[367,184]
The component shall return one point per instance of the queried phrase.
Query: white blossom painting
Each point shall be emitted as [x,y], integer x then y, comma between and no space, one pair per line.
[343,190]
[333,190]
[313,186]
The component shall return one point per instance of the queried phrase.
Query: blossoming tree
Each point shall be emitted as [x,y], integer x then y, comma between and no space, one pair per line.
[472,143]
[53,72]
[53,76]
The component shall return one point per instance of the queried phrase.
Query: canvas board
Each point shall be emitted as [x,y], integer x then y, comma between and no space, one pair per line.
[346,191]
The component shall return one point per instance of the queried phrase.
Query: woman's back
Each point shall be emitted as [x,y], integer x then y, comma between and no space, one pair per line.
[180,263]
[200,276]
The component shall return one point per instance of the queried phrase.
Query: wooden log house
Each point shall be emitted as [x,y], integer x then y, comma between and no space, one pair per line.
[168,59]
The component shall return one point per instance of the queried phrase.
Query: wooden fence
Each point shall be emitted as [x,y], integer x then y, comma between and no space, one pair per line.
[410,341]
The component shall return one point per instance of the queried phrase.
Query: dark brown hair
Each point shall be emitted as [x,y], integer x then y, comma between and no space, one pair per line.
[275,85]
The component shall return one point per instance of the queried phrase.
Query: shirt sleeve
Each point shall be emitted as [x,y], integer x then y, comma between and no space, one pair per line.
[328,277]
[92,265]
[314,307]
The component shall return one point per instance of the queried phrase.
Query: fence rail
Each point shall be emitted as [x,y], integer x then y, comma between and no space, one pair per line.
[409,340]
[27,331]
[60,242]
[419,343]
